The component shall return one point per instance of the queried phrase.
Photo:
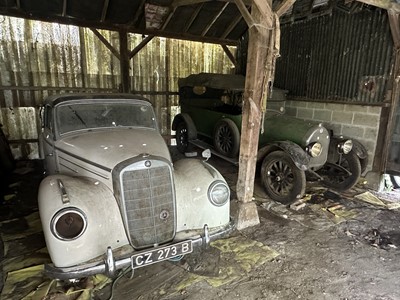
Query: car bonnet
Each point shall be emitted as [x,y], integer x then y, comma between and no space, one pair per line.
[108,147]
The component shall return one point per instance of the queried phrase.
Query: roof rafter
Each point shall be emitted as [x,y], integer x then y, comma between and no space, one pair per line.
[204,32]
[176,3]
[231,26]
[104,11]
[138,13]
[64,9]
[193,17]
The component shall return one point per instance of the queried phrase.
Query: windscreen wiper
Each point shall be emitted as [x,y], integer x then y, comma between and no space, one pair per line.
[77,115]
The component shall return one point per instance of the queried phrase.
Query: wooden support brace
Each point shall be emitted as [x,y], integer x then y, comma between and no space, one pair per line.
[283,7]
[230,55]
[106,43]
[139,47]
[245,13]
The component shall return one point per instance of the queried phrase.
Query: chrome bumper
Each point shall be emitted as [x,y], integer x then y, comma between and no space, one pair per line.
[110,265]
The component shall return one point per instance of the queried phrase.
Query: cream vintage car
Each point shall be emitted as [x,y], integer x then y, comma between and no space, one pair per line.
[112,197]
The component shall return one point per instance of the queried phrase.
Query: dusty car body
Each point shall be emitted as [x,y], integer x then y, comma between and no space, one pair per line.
[113,198]
[288,147]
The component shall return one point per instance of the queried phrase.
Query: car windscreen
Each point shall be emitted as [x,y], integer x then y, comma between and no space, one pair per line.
[83,116]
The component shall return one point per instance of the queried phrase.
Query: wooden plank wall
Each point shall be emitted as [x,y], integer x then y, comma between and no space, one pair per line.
[38,59]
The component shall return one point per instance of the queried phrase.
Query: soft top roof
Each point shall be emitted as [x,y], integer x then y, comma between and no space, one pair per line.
[55,99]
[216,81]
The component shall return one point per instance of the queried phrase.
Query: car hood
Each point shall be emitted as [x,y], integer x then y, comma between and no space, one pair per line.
[108,147]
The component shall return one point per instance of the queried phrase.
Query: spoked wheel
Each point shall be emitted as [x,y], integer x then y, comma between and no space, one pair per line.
[227,138]
[182,137]
[343,174]
[282,180]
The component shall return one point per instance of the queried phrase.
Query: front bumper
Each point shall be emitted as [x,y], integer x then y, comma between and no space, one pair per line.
[110,265]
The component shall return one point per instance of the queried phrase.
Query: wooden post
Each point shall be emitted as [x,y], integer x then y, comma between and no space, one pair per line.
[124,61]
[256,80]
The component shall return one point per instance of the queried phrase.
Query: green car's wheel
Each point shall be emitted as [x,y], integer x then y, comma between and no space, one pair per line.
[227,138]
[343,174]
[282,180]
[182,137]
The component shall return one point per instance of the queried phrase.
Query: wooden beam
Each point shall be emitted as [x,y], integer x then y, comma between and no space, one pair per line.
[64,9]
[106,43]
[177,3]
[214,20]
[138,13]
[260,64]
[231,26]
[394,22]
[245,13]
[193,17]
[266,11]
[171,13]
[105,9]
[230,55]
[385,4]
[18,2]
[283,7]
[124,61]
[139,47]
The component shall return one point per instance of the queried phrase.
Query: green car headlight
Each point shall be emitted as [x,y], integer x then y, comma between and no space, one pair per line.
[314,149]
[68,224]
[345,147]
[218,193]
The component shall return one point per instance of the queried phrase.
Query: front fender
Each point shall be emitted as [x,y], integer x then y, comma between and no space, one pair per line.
[300,158]
[184,117]
[96,201]
[358,148]
[193,178]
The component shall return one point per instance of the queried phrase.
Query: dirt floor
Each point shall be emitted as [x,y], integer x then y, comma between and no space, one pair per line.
[335,246]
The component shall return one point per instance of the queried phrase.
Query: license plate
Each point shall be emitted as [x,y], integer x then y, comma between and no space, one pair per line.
[146,258]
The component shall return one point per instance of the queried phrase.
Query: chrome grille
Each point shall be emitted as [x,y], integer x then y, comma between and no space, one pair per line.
[148,198]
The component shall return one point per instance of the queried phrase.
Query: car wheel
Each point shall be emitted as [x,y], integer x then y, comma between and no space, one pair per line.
[227,138]
[343,174]
[282,180]
[395,181]
[182,137]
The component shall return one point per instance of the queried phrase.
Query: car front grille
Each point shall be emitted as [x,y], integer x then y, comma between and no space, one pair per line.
[148,202]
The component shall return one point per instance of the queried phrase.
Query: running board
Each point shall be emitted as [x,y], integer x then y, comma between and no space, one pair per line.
[204,145]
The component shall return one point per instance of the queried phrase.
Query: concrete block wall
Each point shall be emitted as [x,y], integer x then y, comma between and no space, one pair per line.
[355,121]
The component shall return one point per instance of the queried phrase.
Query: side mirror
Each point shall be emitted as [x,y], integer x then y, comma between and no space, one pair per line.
[206,154]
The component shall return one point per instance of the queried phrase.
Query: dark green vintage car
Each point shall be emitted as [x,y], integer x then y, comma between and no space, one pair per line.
[288,147]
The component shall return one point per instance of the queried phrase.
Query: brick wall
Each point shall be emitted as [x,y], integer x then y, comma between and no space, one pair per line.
[355,121]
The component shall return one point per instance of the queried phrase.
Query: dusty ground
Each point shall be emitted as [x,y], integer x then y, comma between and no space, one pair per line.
[317,252]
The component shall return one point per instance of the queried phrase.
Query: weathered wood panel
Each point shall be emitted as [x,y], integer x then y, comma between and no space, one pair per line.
[38,59]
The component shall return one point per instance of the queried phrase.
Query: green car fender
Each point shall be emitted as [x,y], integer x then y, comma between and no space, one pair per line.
[358,148]
[184,117]
[300,158]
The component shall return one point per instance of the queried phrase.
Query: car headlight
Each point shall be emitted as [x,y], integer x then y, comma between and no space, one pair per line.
[218,193]
[68,224]
[345,147]
[314,149]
